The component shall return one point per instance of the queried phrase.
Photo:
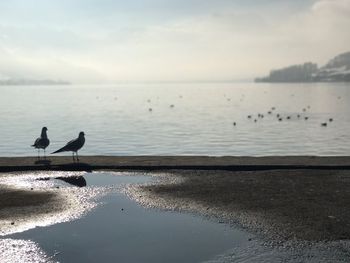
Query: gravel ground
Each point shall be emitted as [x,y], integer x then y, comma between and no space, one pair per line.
[297,215]
[307,205]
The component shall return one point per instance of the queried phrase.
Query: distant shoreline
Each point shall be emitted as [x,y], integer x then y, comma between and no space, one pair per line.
[299,82]
[32,82]
[336,70]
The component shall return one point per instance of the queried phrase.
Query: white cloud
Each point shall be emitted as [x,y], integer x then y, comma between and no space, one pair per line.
[322,31]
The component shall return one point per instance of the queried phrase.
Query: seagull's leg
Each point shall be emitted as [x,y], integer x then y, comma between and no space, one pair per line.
[77,155]
[38,153]
[73,157]
[44,154]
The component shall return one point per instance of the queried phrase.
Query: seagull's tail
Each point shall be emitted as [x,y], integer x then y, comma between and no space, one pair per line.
[59,150]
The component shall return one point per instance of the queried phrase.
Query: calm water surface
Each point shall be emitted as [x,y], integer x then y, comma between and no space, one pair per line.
[117,119]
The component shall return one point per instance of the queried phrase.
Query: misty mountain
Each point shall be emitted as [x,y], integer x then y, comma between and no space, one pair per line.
[336,70]
[14,82]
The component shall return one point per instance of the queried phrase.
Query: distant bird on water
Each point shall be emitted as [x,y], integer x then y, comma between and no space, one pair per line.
[73,146]
[42,142]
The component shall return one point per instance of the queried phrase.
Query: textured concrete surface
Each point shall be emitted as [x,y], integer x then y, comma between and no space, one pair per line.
[8,164]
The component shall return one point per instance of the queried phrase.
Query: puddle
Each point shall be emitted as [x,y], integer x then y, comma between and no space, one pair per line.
[117,229]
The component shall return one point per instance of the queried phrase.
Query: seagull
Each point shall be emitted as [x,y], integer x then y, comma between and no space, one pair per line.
[73,146]
[42,142]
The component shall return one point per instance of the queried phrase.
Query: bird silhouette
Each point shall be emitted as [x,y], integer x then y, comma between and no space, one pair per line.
[73,146]
[42,142]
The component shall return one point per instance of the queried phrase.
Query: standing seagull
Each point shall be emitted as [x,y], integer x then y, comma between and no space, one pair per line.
[42,142]
[73,146]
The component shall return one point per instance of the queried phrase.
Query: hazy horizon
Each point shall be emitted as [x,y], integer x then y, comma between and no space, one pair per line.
[109,41]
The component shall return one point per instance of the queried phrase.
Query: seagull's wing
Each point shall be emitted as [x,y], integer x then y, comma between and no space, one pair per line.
[36,142]
[72,142]
[41,143]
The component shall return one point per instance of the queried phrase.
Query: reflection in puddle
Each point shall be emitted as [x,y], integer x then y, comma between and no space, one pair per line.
[119,230]
[73,180]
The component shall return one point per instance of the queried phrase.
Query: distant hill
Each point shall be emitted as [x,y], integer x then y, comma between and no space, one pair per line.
[336,70]
[10,82]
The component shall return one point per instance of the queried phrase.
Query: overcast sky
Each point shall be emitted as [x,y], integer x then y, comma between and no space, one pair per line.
[167,40]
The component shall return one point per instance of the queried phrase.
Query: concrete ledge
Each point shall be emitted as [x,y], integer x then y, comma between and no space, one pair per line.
[89,163]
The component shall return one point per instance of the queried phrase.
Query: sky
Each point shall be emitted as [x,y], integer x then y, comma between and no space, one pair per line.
[107,41]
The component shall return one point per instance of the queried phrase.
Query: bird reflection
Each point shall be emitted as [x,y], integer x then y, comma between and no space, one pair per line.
[74,180]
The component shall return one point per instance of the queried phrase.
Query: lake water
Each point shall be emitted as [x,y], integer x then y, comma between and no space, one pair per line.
[119,230]
[179,119]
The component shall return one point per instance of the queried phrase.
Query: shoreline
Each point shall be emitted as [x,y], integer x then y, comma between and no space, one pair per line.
[158,163]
